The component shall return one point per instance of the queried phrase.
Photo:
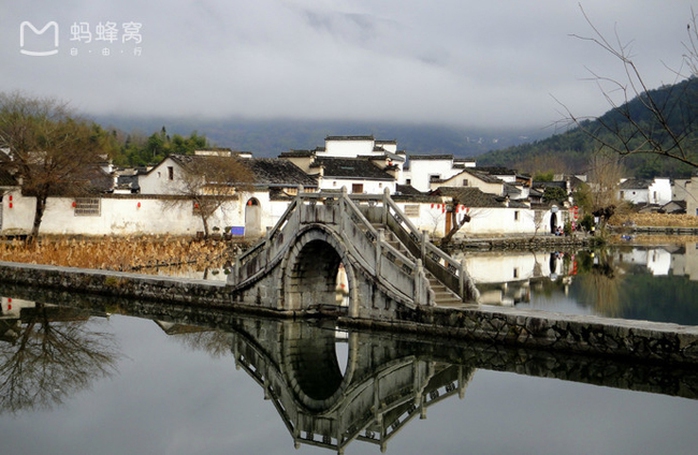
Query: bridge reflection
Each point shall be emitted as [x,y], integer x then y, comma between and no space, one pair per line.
[331,387]
[384,385]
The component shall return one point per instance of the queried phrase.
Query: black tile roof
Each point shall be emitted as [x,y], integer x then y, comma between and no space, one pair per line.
[297,153]
[349,138]
[474,197]
[430,157]
[266,171]
[276,172]
[495,170]
[352,167]
[408,190]
[6,179]
[635,184]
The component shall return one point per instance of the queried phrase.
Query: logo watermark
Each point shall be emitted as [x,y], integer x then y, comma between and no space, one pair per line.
[51,50]
[106,38]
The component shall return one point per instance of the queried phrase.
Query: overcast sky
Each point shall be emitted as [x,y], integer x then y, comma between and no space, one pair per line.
[457,62]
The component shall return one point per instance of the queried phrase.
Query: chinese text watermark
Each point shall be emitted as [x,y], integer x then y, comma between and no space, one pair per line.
[105,38]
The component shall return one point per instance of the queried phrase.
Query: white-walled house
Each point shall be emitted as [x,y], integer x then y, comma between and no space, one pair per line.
[362,164]
[358,175]
[489,214]
[160,208]
[469,178]
[687,190]
[645,192]
[113,214]
[425,169]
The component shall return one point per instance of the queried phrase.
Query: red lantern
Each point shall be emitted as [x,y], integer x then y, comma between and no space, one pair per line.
[138,205]
[10,205]
[75,204]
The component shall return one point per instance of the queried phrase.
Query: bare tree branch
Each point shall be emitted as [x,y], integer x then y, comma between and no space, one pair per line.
[645,122]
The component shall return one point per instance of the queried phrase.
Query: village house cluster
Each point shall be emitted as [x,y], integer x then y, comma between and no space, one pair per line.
[435,191]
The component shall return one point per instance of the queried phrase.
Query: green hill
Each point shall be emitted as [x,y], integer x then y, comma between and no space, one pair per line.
[570,151]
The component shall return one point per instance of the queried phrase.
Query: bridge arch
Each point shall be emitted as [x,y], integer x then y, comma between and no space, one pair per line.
[311,267]
[311,368]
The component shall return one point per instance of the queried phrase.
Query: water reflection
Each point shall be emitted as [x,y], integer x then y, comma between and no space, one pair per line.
[330,388]
[649,283]
[49,353]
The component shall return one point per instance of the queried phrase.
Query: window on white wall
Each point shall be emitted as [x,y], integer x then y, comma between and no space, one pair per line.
[87,206]
[516,215]
[412,210]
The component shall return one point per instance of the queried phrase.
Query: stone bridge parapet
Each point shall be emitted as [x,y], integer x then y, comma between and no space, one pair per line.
[295,266]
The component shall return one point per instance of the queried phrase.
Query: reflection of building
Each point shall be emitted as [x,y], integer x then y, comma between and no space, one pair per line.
[684,262]
[665,260]
[18,312]
[657,260]
[11,307]
[504,278]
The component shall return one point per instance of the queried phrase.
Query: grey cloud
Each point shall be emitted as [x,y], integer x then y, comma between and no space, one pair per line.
[468,63]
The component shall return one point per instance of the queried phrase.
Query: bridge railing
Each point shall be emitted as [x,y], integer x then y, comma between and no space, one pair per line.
[445,268]
[401,275]
[265,254]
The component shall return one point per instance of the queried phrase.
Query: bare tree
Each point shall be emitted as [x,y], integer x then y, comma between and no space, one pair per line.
[646,122]
[207,182]
[57,353]
[51,151]
[605,174]
[456,223]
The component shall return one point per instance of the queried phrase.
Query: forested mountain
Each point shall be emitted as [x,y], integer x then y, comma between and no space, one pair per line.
[571,151]
[268,138]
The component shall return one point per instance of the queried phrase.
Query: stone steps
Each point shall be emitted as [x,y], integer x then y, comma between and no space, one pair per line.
[443,296]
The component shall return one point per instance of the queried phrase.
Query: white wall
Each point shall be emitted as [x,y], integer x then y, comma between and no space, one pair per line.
[421,170]
[456,181]
[370,186]
[484,221]
[692,197]
[635,196]
[157,180]
[347,148]
[129,215]
[660,191]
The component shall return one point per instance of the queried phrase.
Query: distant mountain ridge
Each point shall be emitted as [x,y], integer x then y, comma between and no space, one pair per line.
[573,148]
[269,138]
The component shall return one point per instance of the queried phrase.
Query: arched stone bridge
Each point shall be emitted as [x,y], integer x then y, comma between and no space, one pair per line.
[390,266]
[327,404]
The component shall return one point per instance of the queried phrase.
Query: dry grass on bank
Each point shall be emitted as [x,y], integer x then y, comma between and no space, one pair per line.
[119,253]
[654,240]
[654,219]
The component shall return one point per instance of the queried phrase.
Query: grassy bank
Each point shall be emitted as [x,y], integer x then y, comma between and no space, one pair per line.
[141,254]
[654,219]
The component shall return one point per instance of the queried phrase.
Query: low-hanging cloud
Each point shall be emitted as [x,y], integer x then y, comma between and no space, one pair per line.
[450,62]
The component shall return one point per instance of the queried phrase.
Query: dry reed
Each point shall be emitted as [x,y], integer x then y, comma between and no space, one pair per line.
[119,253]
[654,219]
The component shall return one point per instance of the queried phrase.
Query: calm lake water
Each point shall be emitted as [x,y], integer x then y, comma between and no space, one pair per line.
[658,283]
[120,377]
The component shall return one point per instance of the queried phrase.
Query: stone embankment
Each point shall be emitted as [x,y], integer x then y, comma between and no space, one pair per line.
[545,242]
[632,340]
